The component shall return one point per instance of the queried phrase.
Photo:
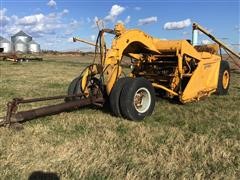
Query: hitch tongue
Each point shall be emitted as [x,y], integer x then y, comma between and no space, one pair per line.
[13,116]
[11,109]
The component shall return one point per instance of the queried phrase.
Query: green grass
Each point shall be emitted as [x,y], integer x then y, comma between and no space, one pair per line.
[198,140]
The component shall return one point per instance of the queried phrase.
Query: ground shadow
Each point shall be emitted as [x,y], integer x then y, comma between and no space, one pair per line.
[40,175]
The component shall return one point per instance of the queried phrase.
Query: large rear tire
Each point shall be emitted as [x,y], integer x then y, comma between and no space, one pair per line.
[137,99]
[114,97]
[223,79]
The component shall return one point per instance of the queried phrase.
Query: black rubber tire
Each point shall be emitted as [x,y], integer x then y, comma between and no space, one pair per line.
[127,99]
[74,88]
[224,68]
[114,97]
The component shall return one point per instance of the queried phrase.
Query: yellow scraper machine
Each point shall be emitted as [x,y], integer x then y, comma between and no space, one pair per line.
[168,68]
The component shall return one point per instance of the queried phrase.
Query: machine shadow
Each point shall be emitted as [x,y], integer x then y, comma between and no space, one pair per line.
[40,175]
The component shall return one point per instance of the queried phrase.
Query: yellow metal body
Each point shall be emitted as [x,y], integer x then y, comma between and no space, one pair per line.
[175,66]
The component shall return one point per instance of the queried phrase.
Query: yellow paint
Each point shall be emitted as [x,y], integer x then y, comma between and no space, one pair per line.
[164,88]
[89,71]
[225,80]
[202,80]
[114,72]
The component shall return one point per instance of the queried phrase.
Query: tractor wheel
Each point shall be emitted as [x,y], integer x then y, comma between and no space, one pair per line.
[114,97]
[93,86]
[74,88]
[137,99]
[223,79]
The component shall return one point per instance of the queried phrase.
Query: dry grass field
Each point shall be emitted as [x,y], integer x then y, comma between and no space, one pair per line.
[194,141]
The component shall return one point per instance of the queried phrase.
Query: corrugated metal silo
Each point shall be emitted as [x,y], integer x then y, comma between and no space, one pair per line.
[33,47]
[6,45]
[20,47]
[21,36]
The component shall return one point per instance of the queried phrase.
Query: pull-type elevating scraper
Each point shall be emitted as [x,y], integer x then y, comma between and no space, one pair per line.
[170,68]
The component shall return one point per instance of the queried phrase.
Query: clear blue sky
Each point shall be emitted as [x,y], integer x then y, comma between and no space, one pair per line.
[53,22]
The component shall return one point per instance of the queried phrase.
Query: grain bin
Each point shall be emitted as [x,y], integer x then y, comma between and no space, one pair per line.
[33,47]
[20,47]
[21,36]
[6,45]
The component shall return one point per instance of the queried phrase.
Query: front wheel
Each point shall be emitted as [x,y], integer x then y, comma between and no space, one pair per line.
[137,99]
[223,79]
[93,88]
[74,88]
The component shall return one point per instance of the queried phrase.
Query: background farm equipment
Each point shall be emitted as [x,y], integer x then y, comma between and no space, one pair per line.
[17,57]
[169,68]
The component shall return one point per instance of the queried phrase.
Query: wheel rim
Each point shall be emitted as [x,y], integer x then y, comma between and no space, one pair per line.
[142,100]
[225,79]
